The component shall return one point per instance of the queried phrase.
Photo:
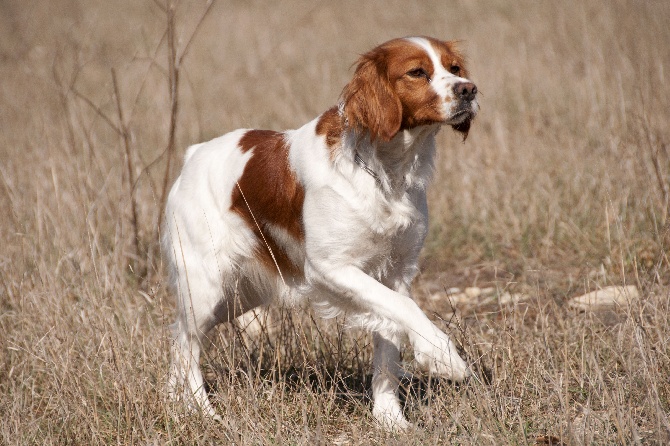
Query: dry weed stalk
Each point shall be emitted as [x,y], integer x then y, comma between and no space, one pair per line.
[121,129]
[173,85]
[655,146]
[174,65]
[130,173]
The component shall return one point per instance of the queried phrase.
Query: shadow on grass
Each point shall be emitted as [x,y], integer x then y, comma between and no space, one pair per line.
[348,386]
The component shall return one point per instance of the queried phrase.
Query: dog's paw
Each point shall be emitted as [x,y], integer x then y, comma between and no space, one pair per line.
[438,355]
[190,392]
[390,417]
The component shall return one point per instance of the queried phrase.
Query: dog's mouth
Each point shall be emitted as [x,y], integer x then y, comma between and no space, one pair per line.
[461,116]
[460,121]
[463,127]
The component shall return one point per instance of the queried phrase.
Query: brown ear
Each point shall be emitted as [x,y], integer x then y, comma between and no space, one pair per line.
[370,102]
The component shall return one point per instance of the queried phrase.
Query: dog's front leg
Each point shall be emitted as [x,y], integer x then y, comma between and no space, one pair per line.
[385,381]
[387,369]
[362,294]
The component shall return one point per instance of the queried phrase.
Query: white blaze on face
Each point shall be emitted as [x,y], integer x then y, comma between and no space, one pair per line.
[442,81]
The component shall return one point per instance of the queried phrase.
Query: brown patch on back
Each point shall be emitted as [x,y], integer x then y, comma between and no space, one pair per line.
[273,194]
[331,125]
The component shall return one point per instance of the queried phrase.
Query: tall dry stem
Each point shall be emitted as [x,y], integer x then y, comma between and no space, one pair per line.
[174,65]
[173,84]
[130,172]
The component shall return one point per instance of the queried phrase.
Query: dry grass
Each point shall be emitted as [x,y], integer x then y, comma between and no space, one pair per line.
[561,187]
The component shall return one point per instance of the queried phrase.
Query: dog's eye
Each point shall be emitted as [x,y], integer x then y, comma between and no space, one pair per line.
[455,69]
[418,72]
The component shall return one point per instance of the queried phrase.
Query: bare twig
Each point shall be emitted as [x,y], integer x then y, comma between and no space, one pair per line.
[174,65]
[129,170]
[97,110]
[654,150]
[662,184]
[63,96]
[210,3]
[160,6]
[173,82]
[147,167]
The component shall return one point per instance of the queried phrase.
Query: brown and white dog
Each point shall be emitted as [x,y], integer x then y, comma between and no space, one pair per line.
[332,214]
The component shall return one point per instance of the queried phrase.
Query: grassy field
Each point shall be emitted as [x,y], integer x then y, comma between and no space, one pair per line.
[562,187]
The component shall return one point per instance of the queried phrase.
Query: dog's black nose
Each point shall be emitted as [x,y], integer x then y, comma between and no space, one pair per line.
[465,90]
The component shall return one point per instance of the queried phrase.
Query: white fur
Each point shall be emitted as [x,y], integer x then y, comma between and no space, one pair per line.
[362,242]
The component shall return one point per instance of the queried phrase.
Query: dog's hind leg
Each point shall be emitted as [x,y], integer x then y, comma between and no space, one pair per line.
[252,325]
[198,296]
[205,297]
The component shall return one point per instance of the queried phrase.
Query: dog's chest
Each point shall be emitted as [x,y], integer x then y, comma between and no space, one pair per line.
[388,225]
[388,217]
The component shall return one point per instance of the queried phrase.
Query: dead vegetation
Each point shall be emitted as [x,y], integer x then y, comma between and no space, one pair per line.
[560,189]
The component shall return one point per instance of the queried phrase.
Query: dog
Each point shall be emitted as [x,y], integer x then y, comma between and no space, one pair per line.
[333,214]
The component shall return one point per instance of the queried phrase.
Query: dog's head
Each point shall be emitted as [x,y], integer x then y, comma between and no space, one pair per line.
[407,83]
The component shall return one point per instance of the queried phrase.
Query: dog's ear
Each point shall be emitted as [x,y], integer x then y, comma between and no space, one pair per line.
[370,103]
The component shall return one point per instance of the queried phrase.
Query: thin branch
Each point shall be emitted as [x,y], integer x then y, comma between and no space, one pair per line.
[173,81]
[654,152]
[174,65]
[160,5]
[152,63]
[210,3]
[130,169]
[65,103]
[97,110]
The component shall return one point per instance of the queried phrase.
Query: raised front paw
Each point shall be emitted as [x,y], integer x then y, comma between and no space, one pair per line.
[436,353]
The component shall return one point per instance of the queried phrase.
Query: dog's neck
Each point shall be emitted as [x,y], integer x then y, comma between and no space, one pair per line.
[403,163]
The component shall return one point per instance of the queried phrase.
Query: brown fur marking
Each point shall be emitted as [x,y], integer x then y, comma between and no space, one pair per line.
[331,125]
[273,194]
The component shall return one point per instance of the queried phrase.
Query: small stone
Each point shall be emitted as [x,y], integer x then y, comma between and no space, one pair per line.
[605,297]
[473,292]
[507,298]
[459,299]
[437,296]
